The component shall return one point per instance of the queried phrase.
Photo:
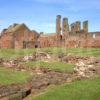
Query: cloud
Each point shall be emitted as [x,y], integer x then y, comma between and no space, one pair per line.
[44,27]
[71,5]
[1,21]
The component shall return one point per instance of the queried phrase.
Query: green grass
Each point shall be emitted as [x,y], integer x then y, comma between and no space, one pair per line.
[79,90]
[15,52]
[52,65]
[20,52]
[9,76]
[81,51]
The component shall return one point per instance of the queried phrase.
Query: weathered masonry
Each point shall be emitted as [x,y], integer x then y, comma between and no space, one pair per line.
[72,35]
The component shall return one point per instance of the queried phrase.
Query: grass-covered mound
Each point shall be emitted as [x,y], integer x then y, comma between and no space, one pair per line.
[78,90]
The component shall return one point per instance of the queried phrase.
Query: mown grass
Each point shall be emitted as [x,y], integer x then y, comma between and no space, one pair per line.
[9,76]
[51,65]
[81,51]
[20,52]
[78,90]
[15,52]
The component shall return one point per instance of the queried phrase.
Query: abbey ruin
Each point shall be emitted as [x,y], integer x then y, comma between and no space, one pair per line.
[70,35]
[73,35]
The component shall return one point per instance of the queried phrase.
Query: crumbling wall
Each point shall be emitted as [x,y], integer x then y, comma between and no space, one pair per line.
[6,40]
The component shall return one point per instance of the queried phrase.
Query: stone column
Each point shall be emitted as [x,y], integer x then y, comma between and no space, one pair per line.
[65,26]
[58,23]
[85,26]
[78,26]
[72,27]
[65,30]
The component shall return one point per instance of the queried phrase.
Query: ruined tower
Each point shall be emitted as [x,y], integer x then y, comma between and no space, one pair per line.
[65,26]
[72,28]
[85,26]
[58,24]
[77,26]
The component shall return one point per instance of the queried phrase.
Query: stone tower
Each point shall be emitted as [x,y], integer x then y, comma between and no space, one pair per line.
[65,26]
[85,26]
[58,24]
[78,26]
[72,28]
[65,29]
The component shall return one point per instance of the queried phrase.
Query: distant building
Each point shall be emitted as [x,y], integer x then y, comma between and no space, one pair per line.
[18,36]
[70,36]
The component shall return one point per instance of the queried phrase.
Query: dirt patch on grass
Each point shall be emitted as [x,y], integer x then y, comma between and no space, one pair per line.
[37,83]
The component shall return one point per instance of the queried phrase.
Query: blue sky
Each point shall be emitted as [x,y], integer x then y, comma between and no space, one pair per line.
[40,15]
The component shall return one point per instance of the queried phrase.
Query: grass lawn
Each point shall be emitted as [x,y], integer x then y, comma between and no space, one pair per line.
[9,76]
[15,52]
[79,90]
[81,51]
[52,65]
[19,52]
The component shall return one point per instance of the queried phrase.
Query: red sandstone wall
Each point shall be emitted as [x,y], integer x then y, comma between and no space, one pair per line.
[15,40]
[44,42]
[6,41]
[52,40]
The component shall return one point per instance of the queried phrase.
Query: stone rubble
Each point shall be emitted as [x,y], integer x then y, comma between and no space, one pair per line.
[84,70]
[85,67]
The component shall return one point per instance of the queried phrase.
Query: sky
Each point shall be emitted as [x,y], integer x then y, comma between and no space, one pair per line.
[40,15]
